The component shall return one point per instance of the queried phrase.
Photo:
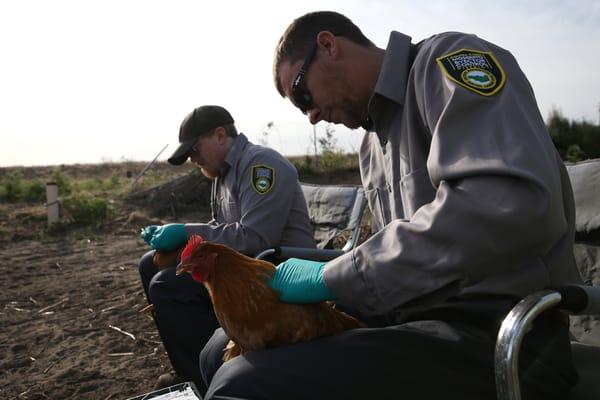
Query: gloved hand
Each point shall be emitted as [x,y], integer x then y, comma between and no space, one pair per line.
[300,281]
[148,232]
[169,237]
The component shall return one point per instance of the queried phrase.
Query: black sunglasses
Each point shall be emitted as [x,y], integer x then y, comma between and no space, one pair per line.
[300,94]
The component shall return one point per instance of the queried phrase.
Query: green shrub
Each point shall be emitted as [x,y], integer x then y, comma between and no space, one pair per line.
[149,179]
[327,161]
[590,140]
[63,183]
[87,185]
[12,188]
[34,192]
[574,153]
[303,165]
[87,209]
[111,183]
[332,160]
[574,140]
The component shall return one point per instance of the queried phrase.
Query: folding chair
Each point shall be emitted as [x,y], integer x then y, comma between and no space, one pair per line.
[333,210]
[573,299]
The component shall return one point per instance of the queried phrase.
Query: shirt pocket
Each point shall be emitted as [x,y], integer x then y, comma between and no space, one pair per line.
[230,211]
[416,190]
[378,200]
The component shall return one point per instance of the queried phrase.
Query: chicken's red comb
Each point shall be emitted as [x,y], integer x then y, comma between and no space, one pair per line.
[194,241]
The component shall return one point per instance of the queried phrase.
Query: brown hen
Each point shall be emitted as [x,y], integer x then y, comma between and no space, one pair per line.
[248,310]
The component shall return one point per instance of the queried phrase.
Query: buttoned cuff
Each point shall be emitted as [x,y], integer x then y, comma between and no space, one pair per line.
[346,277]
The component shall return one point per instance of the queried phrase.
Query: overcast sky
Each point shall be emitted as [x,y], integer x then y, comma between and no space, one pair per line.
[91,81]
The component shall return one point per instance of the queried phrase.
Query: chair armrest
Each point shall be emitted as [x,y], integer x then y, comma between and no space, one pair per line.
[306,253]
[508,344]
[575,299]
[579,299]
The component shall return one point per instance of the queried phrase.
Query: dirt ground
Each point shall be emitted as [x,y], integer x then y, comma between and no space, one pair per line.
[70,320]
[69,304]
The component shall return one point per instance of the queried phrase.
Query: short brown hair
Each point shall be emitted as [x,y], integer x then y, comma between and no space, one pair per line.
[298,38]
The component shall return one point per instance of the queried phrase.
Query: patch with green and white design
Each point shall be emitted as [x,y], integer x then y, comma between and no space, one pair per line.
[478,71]
[263,178]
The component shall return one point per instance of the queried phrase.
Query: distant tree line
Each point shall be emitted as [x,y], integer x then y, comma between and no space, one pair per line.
[575,141]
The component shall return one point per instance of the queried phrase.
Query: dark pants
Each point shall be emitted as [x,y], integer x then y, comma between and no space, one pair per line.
[428,360]
[183,313]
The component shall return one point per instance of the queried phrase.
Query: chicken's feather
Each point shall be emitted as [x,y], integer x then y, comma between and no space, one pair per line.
[250,311]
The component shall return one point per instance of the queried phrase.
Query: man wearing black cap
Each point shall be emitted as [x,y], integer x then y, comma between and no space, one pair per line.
[256,203]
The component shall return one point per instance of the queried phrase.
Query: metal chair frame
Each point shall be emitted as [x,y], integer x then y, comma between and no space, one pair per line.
[574,299]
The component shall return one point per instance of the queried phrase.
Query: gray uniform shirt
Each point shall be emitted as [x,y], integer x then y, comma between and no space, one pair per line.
[251,215]
[469,197]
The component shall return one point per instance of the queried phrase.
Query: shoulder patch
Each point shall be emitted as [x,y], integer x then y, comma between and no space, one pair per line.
[263,178]
[475,70]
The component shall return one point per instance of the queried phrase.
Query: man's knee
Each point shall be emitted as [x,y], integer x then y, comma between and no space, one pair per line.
[211,356]
[147,270]
[167,286]
[146,265]
[162,285]
[236,377]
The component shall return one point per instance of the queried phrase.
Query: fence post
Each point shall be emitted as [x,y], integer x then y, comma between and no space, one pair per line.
[52,202]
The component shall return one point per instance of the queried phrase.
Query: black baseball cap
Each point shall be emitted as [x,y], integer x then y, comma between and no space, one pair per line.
[200,121]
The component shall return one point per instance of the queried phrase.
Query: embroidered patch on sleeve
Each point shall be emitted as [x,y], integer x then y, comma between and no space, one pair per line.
[263,178]
[475,70]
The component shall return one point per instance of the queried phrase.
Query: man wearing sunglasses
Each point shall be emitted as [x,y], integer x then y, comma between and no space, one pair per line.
[256,203]
[472,210]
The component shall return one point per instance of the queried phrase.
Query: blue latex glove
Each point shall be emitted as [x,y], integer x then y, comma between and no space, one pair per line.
[148,232]
[300,281]
[169,237]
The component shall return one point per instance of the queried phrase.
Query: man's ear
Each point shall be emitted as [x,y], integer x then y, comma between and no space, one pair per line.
[221,134]
[327,42]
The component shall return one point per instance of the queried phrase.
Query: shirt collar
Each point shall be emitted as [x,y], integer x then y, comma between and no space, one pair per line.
[234,153]
[391,82]
[393,76]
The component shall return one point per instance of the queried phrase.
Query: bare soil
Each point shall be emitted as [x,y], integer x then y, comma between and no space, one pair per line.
[70,300]
[70,320]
